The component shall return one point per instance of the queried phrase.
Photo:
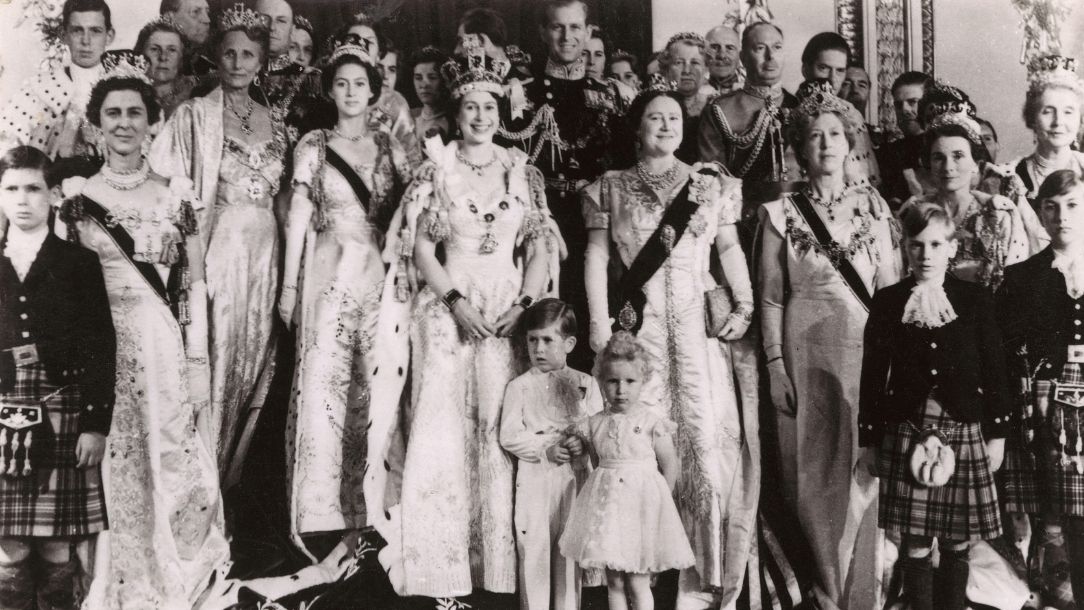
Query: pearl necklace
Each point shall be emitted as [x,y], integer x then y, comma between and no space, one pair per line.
[127,180]
[478,168]
[660,181]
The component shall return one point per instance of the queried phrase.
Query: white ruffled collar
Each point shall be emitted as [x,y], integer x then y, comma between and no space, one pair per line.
[1072,267]
[928,306]
[26,241]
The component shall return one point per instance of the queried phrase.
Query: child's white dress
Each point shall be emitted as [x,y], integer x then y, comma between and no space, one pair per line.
[624,518]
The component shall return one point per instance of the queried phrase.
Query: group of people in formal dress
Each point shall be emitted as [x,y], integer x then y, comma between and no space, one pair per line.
[562,324]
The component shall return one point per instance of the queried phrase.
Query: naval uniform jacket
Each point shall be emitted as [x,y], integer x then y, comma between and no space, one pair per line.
[62,308]
[1037,314]
[961,364]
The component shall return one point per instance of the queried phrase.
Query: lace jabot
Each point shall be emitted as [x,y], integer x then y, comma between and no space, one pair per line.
[22,248]
[1072,267]
[928,306]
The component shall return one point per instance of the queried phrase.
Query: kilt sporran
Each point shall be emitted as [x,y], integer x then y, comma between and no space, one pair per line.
[57,498]
[26,436]
[963,508]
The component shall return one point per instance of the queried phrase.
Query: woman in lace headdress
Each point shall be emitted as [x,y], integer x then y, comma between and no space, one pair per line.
[484,207]
[347,184]
[664,225]
[166,537]
[824,250]
[234,150]
[993,231]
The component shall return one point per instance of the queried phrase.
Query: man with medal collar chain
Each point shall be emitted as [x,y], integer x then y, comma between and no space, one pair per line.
[744,129]
[568,137]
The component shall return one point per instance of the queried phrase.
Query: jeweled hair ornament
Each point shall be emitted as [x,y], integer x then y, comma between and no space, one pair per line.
[656,82]
[352,50]
[124,64]
[688,37]
[1053,70]
[474,71]
[166,20]
[240,17]
[956,109]
[301,22]
[818,97]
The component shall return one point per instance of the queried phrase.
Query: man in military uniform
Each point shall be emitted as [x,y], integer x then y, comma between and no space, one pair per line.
[568,135]
[723,45]
[48,111]
[291,90]
[745,130]
[194,19]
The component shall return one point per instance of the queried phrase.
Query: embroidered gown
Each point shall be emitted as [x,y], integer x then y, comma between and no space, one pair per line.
[242,285]
[452,530]
[339,304]
[166,536]
[699,379]
[822,322]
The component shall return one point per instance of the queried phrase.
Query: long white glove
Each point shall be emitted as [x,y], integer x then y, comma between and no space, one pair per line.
[596,260]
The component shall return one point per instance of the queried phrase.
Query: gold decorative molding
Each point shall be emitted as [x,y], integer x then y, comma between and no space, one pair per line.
[849,26]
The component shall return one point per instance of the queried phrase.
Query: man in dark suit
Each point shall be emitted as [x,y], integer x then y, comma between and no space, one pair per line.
[57,374]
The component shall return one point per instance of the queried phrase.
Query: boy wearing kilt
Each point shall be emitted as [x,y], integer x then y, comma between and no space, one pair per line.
[57,368]
[933,412]
[1041,311]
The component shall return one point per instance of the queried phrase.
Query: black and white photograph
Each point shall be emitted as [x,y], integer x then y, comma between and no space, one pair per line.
[541,305]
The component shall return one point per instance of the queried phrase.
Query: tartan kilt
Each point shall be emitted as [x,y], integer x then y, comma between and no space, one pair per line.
[965,508]
[1019,481]
[1063,486]
[58,499]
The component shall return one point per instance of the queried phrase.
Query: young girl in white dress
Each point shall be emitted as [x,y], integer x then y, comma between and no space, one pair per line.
[624,519]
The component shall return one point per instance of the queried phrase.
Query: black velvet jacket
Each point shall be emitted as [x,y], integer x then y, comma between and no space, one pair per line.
[961,363]
[62,307]
[1039,321]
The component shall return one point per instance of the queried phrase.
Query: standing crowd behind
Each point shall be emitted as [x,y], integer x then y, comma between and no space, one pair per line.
[564,323]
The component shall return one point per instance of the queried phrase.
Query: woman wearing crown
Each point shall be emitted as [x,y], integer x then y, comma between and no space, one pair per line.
[483,206]
[993,231]
[664,223]
[347,182]
[824,250]
[1052,108]
[234,150]
[166,535]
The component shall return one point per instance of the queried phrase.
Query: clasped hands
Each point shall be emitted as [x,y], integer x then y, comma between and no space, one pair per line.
[475,325]
[570,446]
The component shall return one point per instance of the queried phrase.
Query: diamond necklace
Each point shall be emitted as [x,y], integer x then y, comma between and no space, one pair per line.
[479,168]
[661,181]
[250,107]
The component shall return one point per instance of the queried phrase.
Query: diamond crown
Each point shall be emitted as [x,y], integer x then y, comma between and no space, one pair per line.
[240,17]
[475,71]
[124,64]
